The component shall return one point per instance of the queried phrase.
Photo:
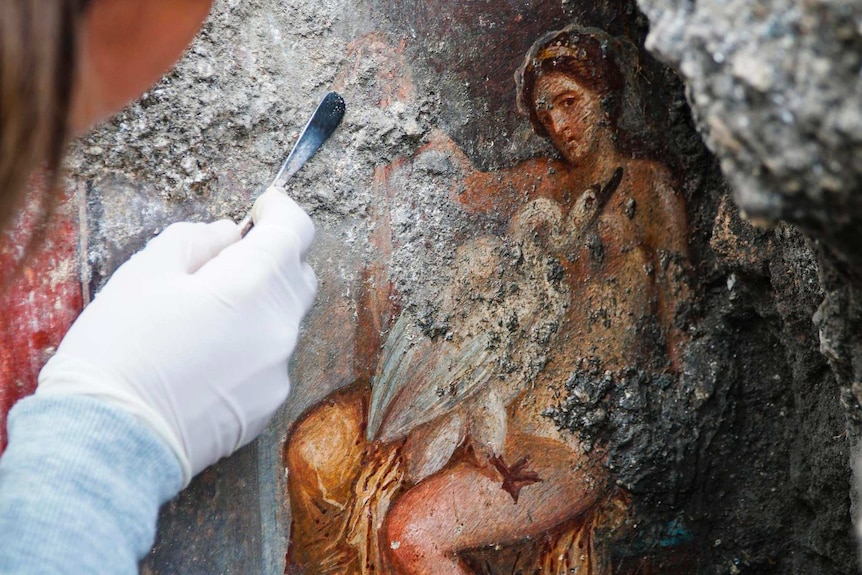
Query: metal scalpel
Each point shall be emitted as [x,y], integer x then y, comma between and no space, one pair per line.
[323,122]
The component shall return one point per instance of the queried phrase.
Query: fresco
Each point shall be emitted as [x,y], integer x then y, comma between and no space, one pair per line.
[545,341]
[41,298]
[462,443]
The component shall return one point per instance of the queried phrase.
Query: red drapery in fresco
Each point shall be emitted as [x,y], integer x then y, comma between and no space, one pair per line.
[39,303]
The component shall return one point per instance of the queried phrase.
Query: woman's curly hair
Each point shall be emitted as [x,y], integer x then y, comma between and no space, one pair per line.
[599,62]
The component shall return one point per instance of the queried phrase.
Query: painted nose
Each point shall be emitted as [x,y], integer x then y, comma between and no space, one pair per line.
[559,124]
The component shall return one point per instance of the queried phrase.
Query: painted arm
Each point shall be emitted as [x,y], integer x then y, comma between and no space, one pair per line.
[665,228]
[502,191]
[81,483]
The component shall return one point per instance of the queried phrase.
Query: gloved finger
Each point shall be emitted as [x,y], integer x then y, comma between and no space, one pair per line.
[240,415]
[265,263]
[185,246]
[275,208]
[307,290]
[271,390]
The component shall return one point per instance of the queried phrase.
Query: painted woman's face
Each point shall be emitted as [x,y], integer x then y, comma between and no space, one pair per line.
[571,115]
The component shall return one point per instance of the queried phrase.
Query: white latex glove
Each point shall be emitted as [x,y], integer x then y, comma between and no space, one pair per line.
[193,334]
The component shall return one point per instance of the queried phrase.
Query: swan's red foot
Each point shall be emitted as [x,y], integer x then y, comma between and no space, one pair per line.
[516,476]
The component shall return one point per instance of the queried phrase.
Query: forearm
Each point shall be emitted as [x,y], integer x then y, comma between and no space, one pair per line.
[81,484]
[179,360]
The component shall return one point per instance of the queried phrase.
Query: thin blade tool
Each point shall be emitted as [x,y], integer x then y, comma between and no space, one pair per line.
[322,124]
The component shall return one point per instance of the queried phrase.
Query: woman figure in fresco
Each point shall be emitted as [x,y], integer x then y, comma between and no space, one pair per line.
[451,450]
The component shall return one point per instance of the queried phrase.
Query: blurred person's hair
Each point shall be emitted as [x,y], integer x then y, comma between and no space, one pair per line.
[38,50]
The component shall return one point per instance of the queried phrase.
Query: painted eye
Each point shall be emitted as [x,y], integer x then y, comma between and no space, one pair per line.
[568,102]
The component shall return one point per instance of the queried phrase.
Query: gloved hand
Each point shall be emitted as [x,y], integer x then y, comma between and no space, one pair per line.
[194,332]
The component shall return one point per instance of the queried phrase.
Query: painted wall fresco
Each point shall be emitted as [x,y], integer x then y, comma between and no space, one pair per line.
[505,297]
[42,298]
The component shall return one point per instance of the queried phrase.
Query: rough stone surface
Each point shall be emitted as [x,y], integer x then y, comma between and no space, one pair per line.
[776,89]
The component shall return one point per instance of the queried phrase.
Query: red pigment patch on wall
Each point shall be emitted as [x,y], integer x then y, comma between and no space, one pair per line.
[38,304]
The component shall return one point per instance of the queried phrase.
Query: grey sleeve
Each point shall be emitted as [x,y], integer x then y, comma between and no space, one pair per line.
[81,483]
